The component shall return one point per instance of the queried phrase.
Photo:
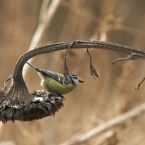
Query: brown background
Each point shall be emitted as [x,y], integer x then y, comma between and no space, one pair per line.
[95,101]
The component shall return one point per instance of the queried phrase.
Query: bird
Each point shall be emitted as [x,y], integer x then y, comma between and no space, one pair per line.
[56,83]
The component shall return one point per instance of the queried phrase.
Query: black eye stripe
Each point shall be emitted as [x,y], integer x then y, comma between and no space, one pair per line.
[73,76]
[72,80]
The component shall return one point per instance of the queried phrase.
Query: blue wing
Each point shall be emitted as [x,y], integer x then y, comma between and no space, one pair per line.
[55,76]
[58,77]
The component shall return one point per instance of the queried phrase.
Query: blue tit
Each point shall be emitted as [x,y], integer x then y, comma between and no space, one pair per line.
[56,83]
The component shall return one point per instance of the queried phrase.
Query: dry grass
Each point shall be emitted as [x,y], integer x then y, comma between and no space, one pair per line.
[94,102]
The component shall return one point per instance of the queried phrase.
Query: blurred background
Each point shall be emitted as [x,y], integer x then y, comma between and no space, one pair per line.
[28,24]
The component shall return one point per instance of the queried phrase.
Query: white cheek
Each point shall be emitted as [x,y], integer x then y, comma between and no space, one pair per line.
[76,82]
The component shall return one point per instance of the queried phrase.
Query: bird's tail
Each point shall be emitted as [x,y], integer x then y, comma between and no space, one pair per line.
[34,67]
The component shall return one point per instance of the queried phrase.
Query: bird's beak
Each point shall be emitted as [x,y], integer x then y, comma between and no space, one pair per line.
[81,81]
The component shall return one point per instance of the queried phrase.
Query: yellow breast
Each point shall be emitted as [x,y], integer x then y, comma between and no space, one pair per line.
[53,86]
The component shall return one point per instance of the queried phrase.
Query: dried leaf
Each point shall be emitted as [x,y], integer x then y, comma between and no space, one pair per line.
[92,68]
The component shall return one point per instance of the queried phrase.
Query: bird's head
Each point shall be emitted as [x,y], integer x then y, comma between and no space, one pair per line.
[75,79]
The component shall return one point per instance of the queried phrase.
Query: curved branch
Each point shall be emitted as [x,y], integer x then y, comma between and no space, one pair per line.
[18,81]
[76,45]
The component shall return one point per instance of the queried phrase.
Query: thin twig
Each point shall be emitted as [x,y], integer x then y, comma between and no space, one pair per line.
[66,70]
[138,85]
[5,82]
[133,56]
